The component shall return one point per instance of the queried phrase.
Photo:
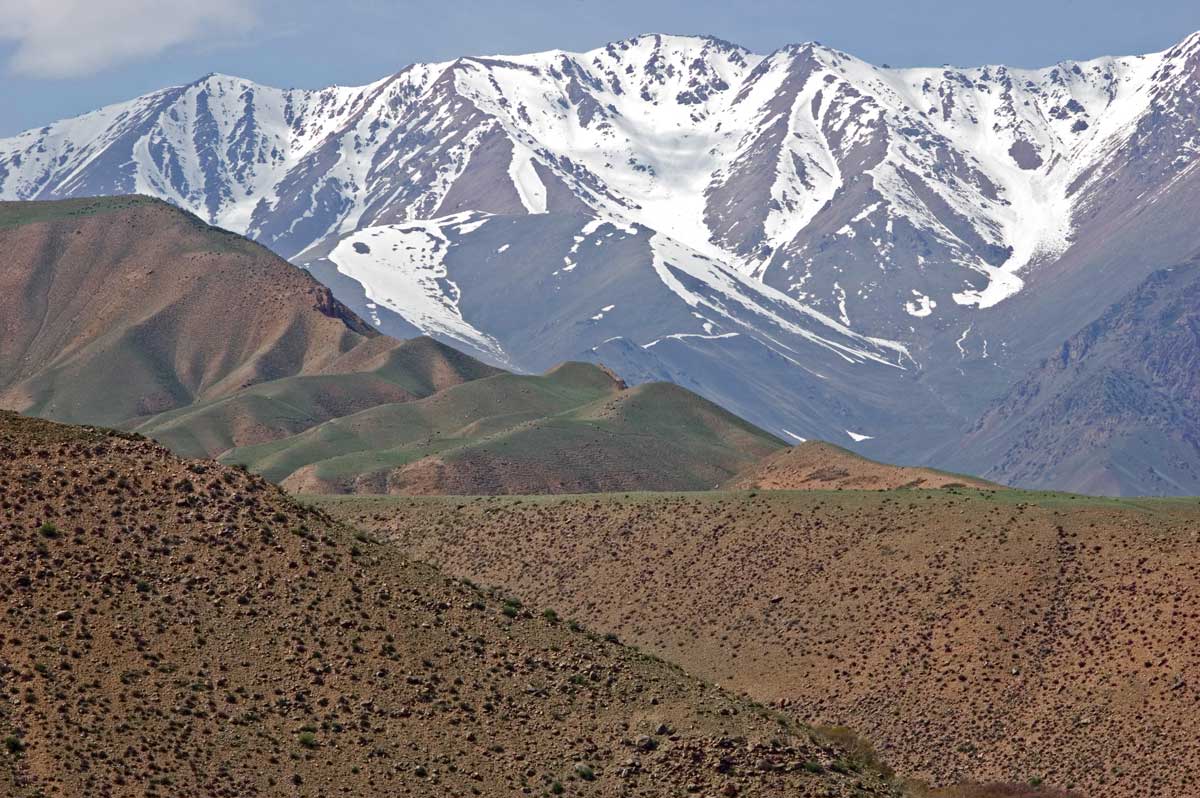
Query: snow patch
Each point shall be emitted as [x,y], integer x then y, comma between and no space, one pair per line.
[402,267]
[921,307]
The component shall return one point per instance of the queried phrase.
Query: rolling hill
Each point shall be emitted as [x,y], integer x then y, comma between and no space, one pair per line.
[180,628]
[129,312]
[971,635]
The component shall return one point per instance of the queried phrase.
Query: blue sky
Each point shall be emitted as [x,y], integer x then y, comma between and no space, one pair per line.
[63,57]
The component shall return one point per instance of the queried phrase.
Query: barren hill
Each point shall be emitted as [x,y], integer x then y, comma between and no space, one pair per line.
[114,309]
[182,628]
[985,635]
[816,465]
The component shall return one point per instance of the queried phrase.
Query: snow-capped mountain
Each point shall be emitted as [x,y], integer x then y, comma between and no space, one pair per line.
[828,247]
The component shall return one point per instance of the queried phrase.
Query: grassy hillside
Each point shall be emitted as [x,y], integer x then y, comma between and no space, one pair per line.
[181,628]
[574,429]
[972,634]
[128,312]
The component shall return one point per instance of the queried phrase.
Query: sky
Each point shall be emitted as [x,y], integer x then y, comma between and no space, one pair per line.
[60,58]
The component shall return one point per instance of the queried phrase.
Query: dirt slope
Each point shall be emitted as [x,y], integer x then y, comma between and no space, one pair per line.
[175,628]
[127,311]
[816,465]
[972,635]
[124,307]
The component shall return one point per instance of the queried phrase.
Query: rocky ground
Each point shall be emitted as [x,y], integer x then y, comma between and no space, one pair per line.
[172,627]
[972,635]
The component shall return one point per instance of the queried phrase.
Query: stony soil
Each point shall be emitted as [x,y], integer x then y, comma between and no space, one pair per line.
[972,635]
[177,628]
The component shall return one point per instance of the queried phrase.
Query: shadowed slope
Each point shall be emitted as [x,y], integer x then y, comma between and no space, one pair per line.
[176,628]
[381,371]
[1116,410]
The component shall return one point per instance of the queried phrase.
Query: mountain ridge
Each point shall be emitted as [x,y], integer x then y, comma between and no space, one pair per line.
[895,246]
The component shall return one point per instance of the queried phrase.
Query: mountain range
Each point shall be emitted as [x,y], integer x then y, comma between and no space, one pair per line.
[829,249]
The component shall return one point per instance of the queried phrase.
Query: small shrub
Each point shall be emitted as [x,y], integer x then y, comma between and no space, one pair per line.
[585,772]
[556,788]
[13,744]
[48,530]
[307,739]
[550,615]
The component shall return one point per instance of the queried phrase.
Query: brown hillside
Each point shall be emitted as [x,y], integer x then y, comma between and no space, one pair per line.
[113,309]
[990,636]
[816,465]
[175,628]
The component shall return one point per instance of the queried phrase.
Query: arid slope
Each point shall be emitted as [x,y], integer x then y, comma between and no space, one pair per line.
[816,465]
[181,628]
[986,635]
[119,308]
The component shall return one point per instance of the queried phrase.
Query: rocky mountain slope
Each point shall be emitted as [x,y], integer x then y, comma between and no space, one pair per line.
[985,635]
[828,248]
[175,627]
[1116,410]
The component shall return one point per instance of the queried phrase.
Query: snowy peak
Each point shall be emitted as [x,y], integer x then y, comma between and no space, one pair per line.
[893,200]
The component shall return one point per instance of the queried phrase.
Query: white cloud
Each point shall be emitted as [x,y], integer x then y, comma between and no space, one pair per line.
[70,38]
